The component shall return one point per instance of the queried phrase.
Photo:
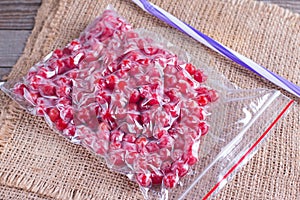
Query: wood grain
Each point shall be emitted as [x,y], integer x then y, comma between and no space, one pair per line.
[4,71]
[293,5]
[12,43]
[18,14]
[16,23]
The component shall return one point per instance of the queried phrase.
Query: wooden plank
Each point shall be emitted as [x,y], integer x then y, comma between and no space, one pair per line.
[4,72]
[18,14]
[12,44]
[293,5]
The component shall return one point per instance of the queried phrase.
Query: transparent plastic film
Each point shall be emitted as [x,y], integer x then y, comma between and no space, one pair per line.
[251,114]
[46,90]
[144,108]
[152,105]
[131,83]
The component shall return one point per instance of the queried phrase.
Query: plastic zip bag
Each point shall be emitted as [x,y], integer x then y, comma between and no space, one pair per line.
[143,108]
[67,89]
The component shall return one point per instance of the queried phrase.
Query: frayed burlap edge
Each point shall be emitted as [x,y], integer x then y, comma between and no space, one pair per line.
[34,186]
[7,192]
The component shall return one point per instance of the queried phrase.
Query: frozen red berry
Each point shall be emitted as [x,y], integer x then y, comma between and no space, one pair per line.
[144,179]
[19,89]
[202,100]
[170,180]
[190,68]
[53,114]
[48,90]
[203,127]
[156,178]
[181,168]
[61,124]
[199,76]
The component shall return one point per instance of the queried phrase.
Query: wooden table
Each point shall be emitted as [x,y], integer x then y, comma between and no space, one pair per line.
[17,21]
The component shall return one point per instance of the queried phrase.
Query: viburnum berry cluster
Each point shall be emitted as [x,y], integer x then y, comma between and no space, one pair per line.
[47,88]
[125,97]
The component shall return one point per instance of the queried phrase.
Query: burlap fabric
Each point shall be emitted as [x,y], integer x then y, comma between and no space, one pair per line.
[36,163]
[20,194]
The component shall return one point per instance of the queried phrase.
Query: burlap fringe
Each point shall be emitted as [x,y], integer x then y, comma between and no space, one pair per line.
[20,181]
[35,186]
[4,136]
[6,128]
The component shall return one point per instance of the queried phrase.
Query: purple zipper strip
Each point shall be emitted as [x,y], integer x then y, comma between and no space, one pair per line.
[219,47]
